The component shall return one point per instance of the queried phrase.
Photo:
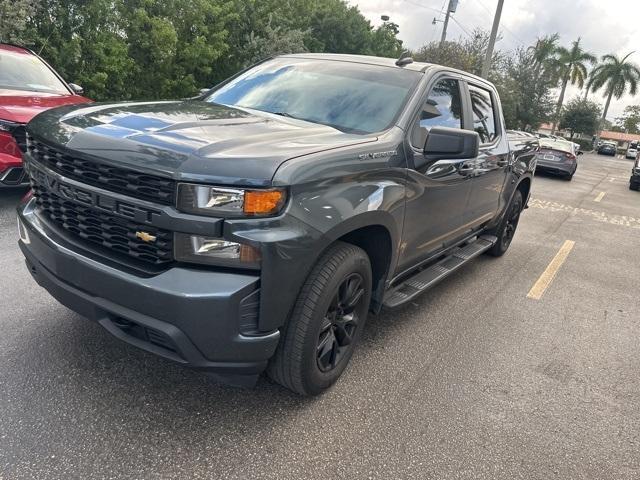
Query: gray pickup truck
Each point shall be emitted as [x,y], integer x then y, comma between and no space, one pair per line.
[255,227]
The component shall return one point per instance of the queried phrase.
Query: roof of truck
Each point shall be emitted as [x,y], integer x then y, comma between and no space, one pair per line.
[382,61]
[368,59]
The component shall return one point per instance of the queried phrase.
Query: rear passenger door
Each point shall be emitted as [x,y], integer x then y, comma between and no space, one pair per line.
[491,166]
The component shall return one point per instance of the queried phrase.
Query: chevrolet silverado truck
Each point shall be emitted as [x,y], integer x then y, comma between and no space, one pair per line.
[255,227]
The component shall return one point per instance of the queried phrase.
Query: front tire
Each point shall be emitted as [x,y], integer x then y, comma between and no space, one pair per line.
[508,226]
[326,322]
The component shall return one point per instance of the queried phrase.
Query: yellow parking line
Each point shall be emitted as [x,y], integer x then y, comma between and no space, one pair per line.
[549,274]
[599,197]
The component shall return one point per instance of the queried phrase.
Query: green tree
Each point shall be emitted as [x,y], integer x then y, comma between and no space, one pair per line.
[150,49]
[525,94]
[14,15]
[580,116]
[175,44]
[273,41]
[617,76]
[629,122]
[465,54]
[543,55]
[80,39]
[384,41]
[571,68]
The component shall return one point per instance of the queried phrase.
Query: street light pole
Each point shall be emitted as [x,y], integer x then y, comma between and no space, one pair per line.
[492,40]
[451,8]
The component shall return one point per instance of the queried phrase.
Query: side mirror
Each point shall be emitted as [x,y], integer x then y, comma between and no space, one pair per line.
[77,89]
[445,143]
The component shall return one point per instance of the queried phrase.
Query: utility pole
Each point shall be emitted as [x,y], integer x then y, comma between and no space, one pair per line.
[492,40]
[453,4]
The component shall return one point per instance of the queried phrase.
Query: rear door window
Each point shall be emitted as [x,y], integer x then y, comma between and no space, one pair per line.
[484,119]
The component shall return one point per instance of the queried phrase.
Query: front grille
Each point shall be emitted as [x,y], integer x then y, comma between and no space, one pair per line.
[104,229]
[92,172]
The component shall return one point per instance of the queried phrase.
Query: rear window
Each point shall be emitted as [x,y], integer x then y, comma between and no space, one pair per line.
[556,145]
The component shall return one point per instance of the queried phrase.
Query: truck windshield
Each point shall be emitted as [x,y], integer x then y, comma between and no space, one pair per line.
[351,97]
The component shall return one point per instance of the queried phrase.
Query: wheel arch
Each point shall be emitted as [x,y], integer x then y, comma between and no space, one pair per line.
[376,241]
[524,186]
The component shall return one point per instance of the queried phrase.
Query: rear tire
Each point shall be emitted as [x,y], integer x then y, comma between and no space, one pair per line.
[508,226]
[326,322]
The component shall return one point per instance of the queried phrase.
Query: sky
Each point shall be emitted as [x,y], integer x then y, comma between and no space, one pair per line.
[611,26]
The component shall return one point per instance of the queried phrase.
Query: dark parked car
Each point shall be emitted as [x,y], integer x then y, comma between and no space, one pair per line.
[255,227]
[634,181]
[607,149]
[556,157]
[28,86]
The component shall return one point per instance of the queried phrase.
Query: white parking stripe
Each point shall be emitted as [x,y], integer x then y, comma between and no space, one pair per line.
[599,197]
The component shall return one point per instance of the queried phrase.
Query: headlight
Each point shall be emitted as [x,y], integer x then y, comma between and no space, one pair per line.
[229,202]
[215,251]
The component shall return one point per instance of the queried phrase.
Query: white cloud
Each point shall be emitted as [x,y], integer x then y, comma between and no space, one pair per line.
[605,27]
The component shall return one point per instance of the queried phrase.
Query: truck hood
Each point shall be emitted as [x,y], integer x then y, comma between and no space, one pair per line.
[20,106]
[188,140]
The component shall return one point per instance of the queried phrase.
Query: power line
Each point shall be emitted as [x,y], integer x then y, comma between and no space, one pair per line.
[462,27]
[424,6]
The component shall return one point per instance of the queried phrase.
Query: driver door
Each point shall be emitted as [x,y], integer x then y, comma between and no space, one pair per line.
[437,191]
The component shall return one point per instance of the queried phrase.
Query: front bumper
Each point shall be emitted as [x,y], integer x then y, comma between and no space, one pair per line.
[200,318]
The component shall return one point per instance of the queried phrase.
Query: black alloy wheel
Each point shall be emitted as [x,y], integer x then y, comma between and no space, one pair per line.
[326,323]
[340,323]
[511,224]
[507,229]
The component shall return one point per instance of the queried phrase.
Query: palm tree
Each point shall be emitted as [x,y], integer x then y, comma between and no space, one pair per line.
[572,68]
[543,53]
[616,76]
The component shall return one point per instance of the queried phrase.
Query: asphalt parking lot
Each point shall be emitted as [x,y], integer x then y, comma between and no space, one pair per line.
[518,367]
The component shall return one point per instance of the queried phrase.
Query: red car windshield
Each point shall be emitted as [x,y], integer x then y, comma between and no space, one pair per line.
[20,70]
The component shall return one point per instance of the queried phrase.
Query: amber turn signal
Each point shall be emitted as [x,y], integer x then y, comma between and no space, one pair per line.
[263,202]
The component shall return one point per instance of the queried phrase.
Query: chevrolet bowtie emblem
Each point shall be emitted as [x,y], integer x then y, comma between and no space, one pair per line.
[146,237]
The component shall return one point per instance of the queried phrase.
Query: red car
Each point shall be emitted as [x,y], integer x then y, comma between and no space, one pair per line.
[28,86]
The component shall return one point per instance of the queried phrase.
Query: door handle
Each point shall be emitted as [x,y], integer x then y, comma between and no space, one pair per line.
[466,169]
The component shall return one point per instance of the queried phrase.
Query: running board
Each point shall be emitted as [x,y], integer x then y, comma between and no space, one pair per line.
[427,278]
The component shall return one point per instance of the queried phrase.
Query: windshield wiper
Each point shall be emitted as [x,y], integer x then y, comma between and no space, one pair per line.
[285,114]
[337,127]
